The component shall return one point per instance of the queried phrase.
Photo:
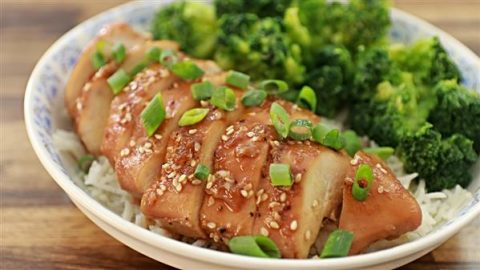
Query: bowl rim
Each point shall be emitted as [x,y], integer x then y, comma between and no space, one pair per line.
[207,255]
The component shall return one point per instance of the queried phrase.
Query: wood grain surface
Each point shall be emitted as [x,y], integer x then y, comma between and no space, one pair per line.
[42,229]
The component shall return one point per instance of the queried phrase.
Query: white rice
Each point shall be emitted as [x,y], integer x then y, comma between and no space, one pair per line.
[101,183]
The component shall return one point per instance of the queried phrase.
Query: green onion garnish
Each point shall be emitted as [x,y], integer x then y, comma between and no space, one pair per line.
[223,98]
[338,244]
[328,137]
[187,70]
[118,81]
[153,115]
[274,87]
[202,91]
[201,172]
[237,79]
[153,54]
[98,60]
[382,152]
[85,162]
[307,98]
[362,183]
[352,142]
[300,129]
[256,246]
[119,53]
[192,116]
[280,119]
[280,174]
[254,98]
[137,68]
[168,58]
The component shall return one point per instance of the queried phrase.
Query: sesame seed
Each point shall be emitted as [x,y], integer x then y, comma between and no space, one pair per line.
[230,127]
[274,225]
[244,193]
[132,143]
[79,105]
[211,201]
[264,231]
[178,187]
[229,180]
[87,87]
[124,152]
[171,175]
[192,131]
[159,192]
[224,137]
[203,103]
[248,186]
[293,225]
[209,185]
[193,163]
[256,138]
[250,134]
[163,187]
[264,197]
[276,216]
[314,203]
[260,192]
[273,204]
[182,178]
[196,182]
[380,189]
[277,143]
[196,146]
[298,177]
[283,197]
[158,136]
[250,193]
[223,173]
[147,145]
[229,131]
[211,225]
[308,234]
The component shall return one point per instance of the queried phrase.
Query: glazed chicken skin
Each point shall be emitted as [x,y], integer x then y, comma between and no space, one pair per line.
[238,196]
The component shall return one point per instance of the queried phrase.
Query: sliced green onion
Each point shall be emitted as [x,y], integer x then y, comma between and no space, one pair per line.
[300,129]
[168,58]
[338,244]
[98,60]
[187,70]
[352,142]
[201,172]
[153,54]
[202,91]
[137,68]
[85,162]
[254,98]
[280,119]
[274,87]
[119,53]
[153,115]
[192,116]
[280,174]
[237,79]
[101,45]
[223,98]
[307,98]
[328,137]
[255,246]
[362,183]
[382,152]
[290,95]
[118,81]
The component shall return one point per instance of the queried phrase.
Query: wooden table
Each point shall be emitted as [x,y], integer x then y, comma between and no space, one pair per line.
[42,229]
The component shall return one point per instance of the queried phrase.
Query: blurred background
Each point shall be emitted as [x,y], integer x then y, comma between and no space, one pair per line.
[42,229]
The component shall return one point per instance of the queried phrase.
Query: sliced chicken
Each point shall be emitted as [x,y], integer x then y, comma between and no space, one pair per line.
[388,212]
[84,70]
[93,104]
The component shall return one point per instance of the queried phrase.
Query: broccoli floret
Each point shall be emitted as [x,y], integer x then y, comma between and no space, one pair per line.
[457,111]
[442,162]
[193,25]
[258,47]
[427,59]
[262,8]
[331,79]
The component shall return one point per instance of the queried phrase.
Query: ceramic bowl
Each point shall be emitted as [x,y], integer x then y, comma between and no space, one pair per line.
[44,113]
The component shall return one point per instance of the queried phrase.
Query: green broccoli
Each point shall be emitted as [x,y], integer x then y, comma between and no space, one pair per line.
[442,162]
[258,47]
[457,110]
[262,8]
[427,60]
[193,25]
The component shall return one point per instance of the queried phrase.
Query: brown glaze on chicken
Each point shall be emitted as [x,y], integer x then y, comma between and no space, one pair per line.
[388,212]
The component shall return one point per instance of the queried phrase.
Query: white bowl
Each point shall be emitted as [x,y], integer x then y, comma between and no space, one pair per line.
[44,113]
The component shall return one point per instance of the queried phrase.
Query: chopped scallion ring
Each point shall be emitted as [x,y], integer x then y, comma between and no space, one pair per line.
[280,174]
[274,87]
[352,142]
[254,98]
[98,60]
[153,115]
[338,244]
[300,129]
[168,58]
[84,162]
[136,69]
[224,98]
[255,246]
[382,152]
[202,91]
[328,137]
[119,53]
[237,79]
[280,119]
[362,183]
[201,172]
[187,70]
[153,54]
[192,116]
[118,81]
[307,98]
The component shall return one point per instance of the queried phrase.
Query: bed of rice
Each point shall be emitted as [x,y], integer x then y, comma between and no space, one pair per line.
[101,183]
